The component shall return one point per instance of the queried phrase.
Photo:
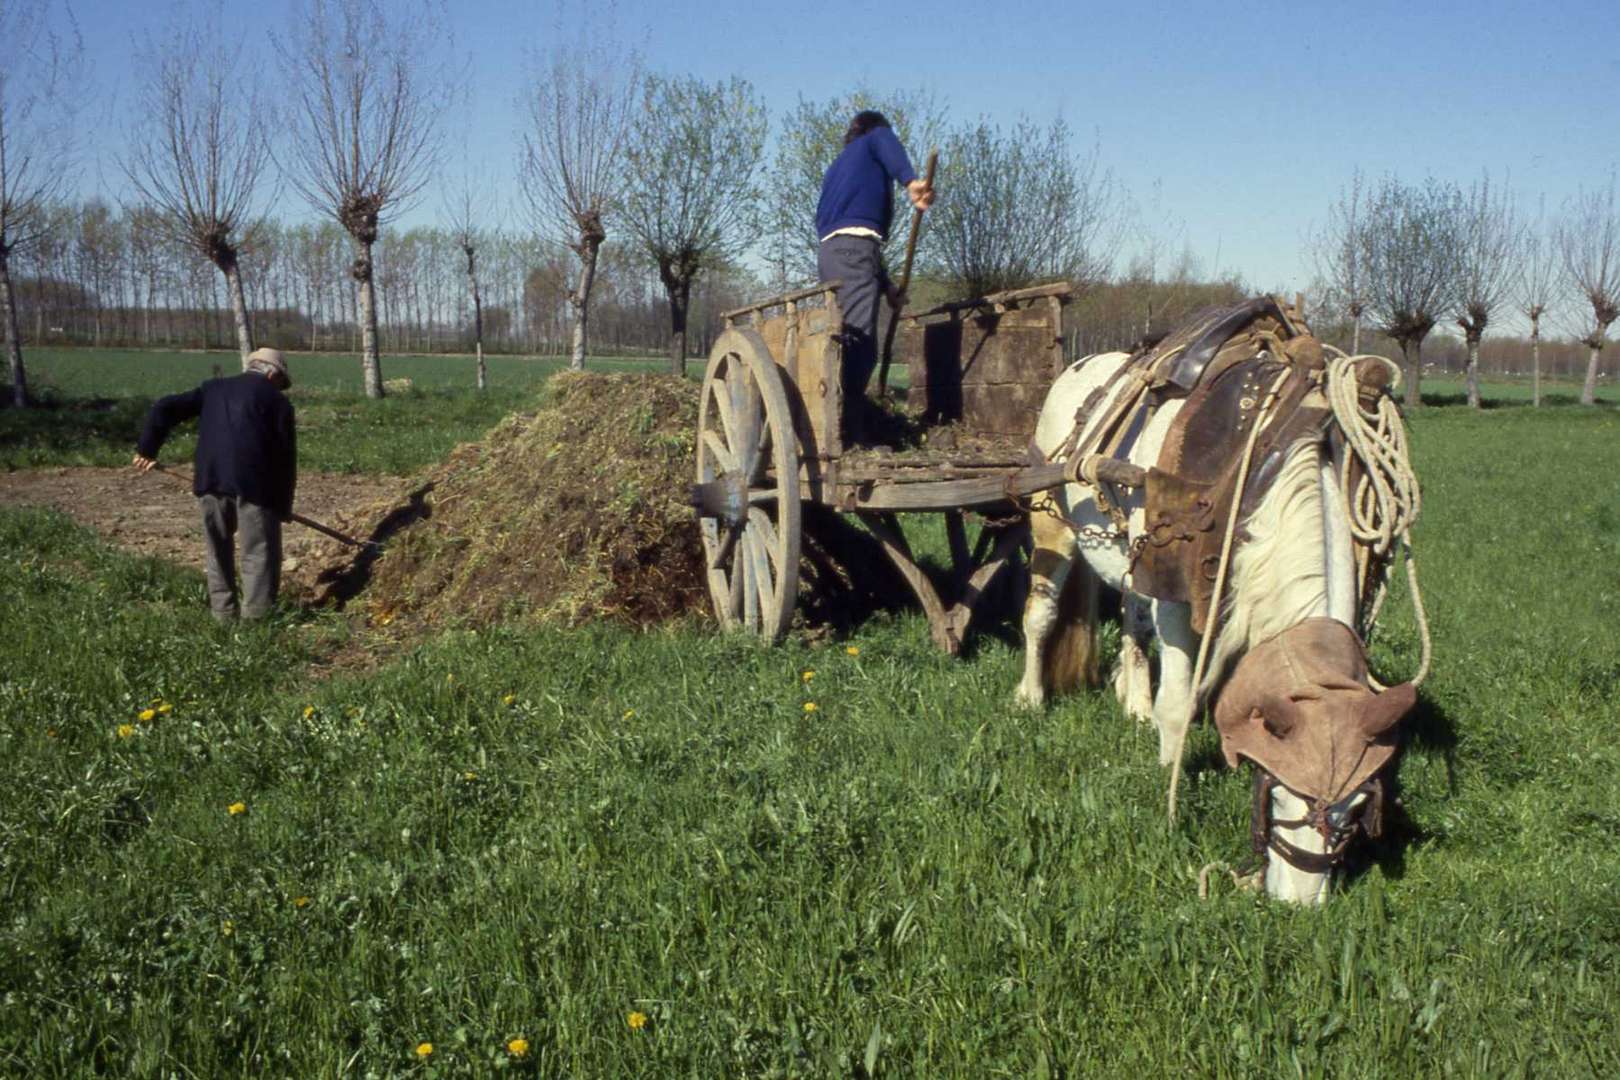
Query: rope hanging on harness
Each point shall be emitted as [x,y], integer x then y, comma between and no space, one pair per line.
[1386,500]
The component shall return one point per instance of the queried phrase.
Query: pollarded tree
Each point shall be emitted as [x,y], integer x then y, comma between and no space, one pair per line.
[1537,292]
[1022,208]
[811,136]
[1589,247]
[1340,258]
[1410,243]
[39,61]
[463,208]
[692,199]
[367,92]
[1489,262]
[199,148]
[580,103]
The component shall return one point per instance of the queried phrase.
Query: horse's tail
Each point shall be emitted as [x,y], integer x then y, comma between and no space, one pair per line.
[1070,660]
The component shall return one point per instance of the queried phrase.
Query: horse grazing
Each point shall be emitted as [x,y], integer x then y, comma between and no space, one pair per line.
[1287,592]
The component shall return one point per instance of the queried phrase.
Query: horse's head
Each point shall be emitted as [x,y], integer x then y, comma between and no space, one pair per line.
[1299,707]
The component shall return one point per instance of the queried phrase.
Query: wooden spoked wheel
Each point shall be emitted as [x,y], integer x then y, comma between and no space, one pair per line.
[747,492]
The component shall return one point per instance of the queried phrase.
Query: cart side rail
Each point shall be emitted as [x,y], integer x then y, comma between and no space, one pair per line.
[827,288]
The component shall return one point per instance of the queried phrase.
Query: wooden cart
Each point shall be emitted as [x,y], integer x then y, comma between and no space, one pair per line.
[769,441]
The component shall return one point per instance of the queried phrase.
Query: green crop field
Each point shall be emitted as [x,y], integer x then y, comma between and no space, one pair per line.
[675,853]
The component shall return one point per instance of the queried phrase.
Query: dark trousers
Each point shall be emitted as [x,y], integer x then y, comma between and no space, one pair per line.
[857,262]
[224,517]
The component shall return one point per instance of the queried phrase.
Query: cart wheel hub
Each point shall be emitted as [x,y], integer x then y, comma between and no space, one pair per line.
[725,498]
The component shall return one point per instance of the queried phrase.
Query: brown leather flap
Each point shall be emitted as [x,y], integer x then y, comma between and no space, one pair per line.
[1182,519]
[1298,705]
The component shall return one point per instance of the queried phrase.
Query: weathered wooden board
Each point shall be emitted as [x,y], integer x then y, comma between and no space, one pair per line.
[988,364]
[802,336]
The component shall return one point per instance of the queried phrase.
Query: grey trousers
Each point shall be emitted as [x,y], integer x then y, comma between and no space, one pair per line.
[223,517]
[857,261]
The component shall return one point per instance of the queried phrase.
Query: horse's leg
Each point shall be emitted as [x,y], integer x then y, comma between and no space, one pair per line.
[1177,699]
[1049,568]
[1133,681]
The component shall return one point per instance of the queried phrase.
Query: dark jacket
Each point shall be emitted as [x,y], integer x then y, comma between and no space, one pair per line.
[859,186]
[246,445]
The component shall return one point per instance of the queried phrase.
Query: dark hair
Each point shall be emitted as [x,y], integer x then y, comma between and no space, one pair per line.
[864,121]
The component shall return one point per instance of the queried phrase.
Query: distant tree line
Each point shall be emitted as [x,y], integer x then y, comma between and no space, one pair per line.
[107,276]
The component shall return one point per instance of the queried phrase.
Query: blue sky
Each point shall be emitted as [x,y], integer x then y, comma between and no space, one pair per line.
[1232,126]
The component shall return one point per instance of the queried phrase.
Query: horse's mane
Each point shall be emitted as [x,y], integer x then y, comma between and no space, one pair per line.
[1278,575]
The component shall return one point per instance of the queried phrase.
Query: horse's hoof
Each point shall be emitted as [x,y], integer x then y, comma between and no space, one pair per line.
[1028,699]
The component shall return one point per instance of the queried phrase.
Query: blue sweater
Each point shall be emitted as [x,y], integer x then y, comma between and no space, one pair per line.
[859,186]
[245,440]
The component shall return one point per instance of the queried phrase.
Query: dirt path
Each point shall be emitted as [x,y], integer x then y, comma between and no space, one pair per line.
[153,515]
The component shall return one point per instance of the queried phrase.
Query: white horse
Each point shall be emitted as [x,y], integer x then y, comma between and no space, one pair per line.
[1297,563]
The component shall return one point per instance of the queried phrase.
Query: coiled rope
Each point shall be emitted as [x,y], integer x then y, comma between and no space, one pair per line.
[1386,499]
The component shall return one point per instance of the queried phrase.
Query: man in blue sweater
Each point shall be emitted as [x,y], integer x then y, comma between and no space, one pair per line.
[852,219]
[245,471]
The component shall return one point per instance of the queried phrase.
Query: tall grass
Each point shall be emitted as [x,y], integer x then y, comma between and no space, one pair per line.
[548,834]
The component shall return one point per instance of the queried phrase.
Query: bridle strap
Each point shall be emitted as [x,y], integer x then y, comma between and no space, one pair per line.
[1312,862]
[1261,825]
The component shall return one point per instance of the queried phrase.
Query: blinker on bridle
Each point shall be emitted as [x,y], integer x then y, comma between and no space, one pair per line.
[1335,822]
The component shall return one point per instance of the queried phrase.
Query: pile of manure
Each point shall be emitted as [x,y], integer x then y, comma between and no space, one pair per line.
[573,512]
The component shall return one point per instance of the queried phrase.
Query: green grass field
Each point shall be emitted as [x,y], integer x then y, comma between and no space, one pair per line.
[645,855]
[95,401]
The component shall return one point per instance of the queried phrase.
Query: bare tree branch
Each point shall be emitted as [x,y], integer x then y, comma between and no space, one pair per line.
[1339,258]
[39,59]
[367,94]
[1588,241]
[1489,262]
[1020,207]
[1410,242]
[693,200]
[464,208]
[580,103]
[1538,289]
[200,152]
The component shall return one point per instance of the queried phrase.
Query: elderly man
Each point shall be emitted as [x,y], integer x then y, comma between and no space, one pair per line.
[852,219]
[245,471]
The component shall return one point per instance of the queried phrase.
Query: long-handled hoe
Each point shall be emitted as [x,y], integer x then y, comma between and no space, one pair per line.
[308,523]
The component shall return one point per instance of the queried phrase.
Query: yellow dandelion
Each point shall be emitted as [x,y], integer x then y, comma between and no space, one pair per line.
[629,714]
[469,775]
[227,928]
[424,1050]
[808,675]
[518,1047]
[508,699]
[146,716]
[165,708]
[853,650]
[236,808]
[809,706]
[309,711]
[125,730]
[300,901]
[636,1020]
